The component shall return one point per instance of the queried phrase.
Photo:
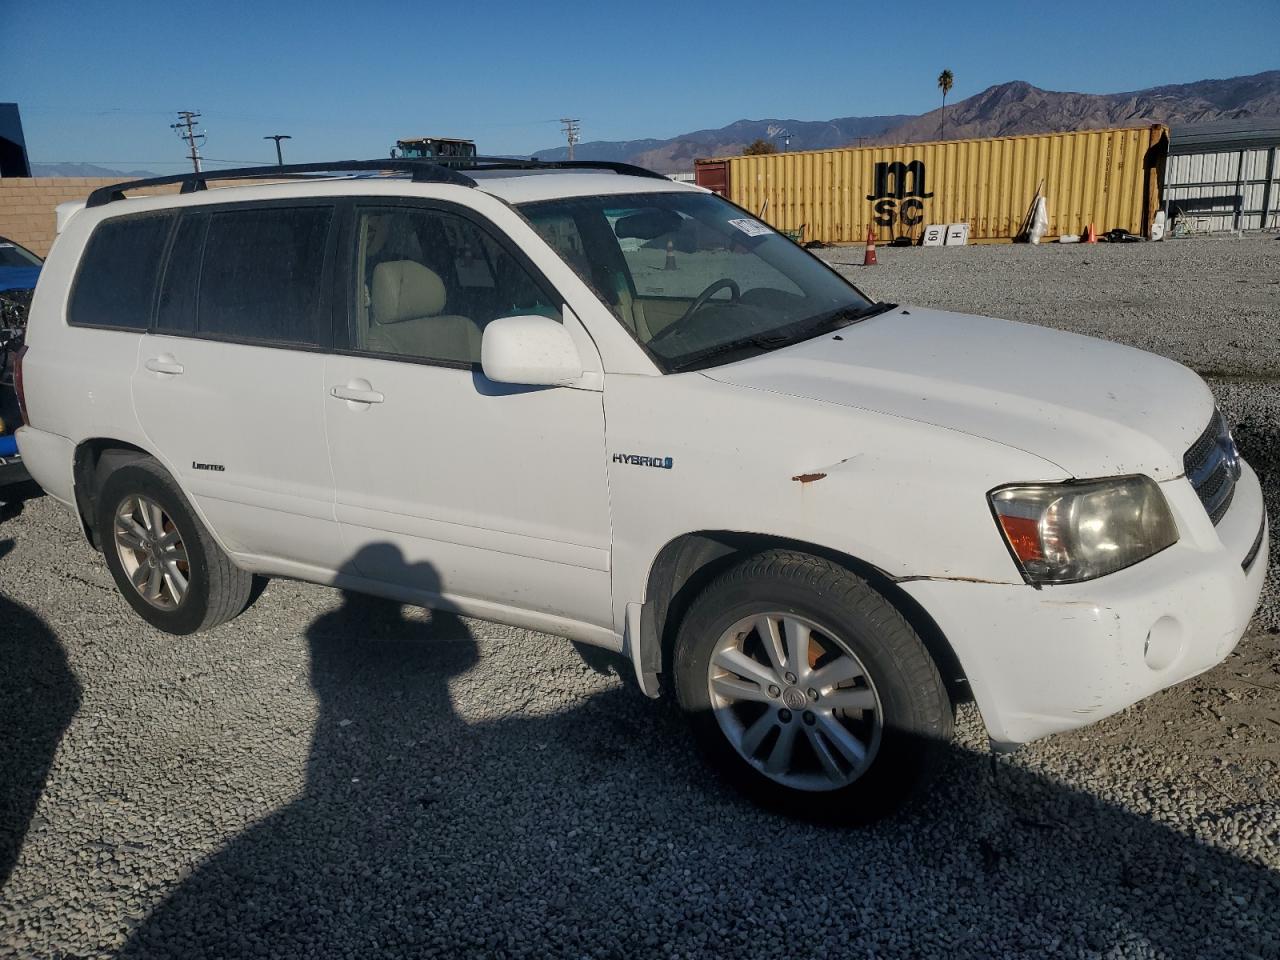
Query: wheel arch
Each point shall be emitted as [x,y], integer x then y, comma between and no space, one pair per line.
[687,564]
[94,459]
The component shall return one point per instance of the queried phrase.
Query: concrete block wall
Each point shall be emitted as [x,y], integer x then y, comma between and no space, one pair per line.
[27,206]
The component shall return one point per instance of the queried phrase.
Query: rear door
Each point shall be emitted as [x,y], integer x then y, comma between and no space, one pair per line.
[229,384]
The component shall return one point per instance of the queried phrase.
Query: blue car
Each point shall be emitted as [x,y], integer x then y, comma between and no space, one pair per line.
[19,267]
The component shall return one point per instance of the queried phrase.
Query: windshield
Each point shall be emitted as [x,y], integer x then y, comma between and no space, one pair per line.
[12,255]
[694,278]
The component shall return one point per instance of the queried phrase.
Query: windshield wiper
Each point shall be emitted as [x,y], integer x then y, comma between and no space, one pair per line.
[847,315]
[763,342]
[772,341]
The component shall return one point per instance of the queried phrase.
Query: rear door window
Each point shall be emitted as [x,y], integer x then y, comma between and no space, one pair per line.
[261,274]
[116,283]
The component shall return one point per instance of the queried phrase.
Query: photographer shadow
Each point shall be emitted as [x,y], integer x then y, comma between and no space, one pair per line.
[39,696]
[594,831]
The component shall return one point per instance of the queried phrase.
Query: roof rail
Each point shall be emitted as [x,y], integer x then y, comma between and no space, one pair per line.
[515,163]
[424,170]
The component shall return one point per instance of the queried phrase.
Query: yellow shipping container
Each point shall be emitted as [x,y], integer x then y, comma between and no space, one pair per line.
[1104,177]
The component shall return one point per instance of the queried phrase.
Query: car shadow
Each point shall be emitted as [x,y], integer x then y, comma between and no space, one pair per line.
[594,831]
[39,696]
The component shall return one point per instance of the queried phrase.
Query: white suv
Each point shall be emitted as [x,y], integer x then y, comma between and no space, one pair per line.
[591,401]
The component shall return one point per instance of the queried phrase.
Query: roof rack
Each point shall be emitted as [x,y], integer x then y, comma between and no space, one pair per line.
[424,170]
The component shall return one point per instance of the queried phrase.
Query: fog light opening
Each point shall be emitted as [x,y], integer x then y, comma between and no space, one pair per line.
[1164,643]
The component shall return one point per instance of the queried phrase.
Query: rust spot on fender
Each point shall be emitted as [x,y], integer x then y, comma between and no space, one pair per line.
[808,477]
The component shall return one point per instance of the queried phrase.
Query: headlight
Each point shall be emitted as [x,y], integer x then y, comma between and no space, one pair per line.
[1067,532]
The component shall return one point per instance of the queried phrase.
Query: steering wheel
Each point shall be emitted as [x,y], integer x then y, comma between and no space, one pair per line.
[735,294]
[724,282]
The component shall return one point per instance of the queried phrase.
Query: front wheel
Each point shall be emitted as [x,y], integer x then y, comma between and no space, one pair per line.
[167,565]
[809,690]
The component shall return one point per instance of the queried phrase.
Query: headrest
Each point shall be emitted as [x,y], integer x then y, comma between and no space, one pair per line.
[404,290]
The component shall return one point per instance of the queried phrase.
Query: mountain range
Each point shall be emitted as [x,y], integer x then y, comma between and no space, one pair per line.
[1006,109]
[85,170]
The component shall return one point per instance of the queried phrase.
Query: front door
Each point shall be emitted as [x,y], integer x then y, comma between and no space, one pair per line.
[447,482]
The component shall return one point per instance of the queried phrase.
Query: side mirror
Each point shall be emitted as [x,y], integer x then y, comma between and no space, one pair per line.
[530,350]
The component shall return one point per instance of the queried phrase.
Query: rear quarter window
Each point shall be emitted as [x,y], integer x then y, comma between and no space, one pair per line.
[116,282]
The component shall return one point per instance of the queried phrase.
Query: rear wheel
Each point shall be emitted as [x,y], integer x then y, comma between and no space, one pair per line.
[809,690]
[164,561]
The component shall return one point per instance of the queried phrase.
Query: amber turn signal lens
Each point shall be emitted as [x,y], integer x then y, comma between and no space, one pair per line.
[1023,534]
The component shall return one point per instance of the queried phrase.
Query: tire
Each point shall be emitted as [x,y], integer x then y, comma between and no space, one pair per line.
[888,696]
[216,589]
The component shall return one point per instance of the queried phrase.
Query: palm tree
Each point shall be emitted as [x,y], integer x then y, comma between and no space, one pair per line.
[945,80]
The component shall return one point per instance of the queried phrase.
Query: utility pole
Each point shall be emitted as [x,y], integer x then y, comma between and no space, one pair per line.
[570,128]
[186,130]
[277,137]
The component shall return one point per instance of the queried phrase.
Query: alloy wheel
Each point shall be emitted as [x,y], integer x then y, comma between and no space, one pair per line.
[794,701]
[152,552]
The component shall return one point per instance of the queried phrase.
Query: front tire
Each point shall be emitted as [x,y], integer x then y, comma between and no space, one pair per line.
[808,689]
[163,559]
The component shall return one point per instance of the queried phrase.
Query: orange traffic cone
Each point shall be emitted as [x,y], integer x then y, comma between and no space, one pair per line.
[671,256]
[869,258]
[1090,234]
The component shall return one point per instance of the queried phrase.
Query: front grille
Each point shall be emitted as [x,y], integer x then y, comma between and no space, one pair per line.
[1213,467]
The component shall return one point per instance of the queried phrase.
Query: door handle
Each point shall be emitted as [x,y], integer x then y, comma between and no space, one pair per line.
[357,391]
[164,364]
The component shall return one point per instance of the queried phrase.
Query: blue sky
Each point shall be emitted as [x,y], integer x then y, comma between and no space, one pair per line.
[100,82]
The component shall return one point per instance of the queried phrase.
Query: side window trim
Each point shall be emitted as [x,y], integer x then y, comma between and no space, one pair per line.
[322,329]
[344,344]
[194,213]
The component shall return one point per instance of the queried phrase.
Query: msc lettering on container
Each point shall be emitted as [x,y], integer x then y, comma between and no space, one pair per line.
[899,193]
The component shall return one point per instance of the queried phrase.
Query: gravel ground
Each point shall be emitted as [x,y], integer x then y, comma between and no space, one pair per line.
[1213,304]
[331,776]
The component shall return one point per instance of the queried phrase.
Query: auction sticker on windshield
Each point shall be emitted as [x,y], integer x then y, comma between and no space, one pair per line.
[752,228]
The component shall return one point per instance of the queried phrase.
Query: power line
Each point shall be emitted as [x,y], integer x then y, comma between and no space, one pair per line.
[186,130]
[570,128]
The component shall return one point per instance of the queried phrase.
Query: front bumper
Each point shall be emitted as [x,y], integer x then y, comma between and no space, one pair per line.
[1043,661]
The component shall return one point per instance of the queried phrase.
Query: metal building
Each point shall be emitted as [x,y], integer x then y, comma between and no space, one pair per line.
[13,146]
[1224,175]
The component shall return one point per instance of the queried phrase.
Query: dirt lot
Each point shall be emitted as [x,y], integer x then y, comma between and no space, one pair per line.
[334,777]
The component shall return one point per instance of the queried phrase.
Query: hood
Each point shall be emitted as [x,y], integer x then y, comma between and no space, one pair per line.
[1090,407]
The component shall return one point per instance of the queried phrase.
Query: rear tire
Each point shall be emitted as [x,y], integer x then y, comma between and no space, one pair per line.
[842,721]
[163,559]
